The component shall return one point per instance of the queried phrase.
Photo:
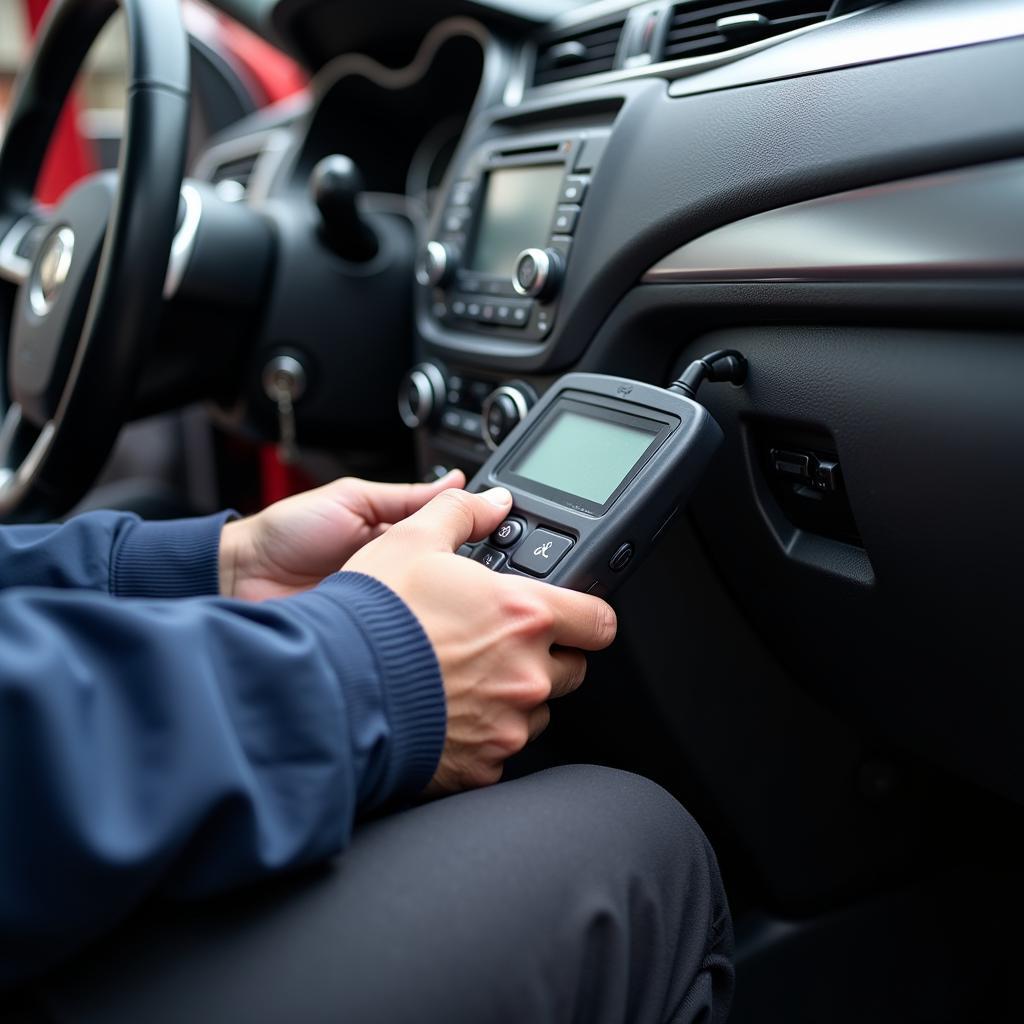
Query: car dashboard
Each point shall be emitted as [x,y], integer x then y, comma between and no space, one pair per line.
[820,656]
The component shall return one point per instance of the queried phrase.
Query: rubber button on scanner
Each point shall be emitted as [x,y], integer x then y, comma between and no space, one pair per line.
[622,557]
[488,557]
[542,552]
[507,534]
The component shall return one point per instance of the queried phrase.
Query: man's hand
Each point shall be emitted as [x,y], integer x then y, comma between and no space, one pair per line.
[294,544]
[503,642]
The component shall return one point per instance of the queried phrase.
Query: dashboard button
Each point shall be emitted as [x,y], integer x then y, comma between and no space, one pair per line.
[521,314]
[574,189]
[542,551]
[462,193]
[590,153]
[455,220]
[507,534]
[488,557]
[565,220]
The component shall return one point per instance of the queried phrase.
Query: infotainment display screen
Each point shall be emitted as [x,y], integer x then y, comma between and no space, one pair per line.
[519,206]
[585,452]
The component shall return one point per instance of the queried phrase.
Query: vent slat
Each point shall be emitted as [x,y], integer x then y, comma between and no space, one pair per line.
[693,30]
[597,47]
[605,50]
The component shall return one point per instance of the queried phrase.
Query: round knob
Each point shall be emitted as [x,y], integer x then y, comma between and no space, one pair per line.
[421,395]
[538,273]
[503,409]
[437,267]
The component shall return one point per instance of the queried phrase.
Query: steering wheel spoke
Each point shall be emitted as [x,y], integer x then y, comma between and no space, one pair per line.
[19,246]
[22,448]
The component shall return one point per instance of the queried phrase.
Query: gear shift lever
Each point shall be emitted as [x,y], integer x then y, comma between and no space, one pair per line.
[335,184]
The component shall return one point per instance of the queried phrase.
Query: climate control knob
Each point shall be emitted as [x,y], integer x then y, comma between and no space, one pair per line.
[538,273]
[421,395]
[437,264]
[503,409]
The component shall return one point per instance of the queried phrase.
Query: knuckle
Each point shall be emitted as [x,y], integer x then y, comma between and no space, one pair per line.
[514,736]
[483,775]
[543,620]
[536,688]
[528,688]
[529,610]
[458,508]
[406,531]
[455,502]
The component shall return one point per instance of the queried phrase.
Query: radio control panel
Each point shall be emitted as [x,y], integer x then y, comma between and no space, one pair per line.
[463,408]
[502,241]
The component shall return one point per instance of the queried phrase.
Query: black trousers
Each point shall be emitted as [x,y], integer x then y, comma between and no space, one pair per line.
[578,894]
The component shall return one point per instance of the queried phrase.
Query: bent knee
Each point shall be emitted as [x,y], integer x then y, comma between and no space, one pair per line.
[611,812]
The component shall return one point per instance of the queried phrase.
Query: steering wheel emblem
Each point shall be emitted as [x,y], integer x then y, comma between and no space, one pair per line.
[51,270]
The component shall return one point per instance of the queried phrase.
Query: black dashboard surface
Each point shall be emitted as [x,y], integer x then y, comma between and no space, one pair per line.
[696,148]
[896,633]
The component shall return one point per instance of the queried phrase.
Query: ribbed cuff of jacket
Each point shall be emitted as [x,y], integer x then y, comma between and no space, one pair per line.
[180,558]
[410,684]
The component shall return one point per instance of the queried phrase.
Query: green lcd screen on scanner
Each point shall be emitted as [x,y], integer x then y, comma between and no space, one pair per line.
[583,455]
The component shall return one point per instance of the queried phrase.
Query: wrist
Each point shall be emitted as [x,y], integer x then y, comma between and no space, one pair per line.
[228,559]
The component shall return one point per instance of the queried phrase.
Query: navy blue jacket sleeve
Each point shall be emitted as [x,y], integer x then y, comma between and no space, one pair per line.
[116,553]
[185,747]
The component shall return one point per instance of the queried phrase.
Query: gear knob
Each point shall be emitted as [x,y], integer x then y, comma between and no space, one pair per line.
[335,185]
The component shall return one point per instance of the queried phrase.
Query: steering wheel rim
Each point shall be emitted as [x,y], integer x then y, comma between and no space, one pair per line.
[73,339]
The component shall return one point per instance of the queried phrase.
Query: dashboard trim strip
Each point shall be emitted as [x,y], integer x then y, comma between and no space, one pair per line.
[349,64]
[964,223]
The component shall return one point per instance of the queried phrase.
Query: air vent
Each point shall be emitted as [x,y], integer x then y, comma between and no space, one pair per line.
[584,51]
[698,28]
[232,176]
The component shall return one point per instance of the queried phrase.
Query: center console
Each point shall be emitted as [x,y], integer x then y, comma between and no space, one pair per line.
[503,238]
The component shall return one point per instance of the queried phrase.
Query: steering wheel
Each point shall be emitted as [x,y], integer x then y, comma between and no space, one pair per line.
[74,334]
